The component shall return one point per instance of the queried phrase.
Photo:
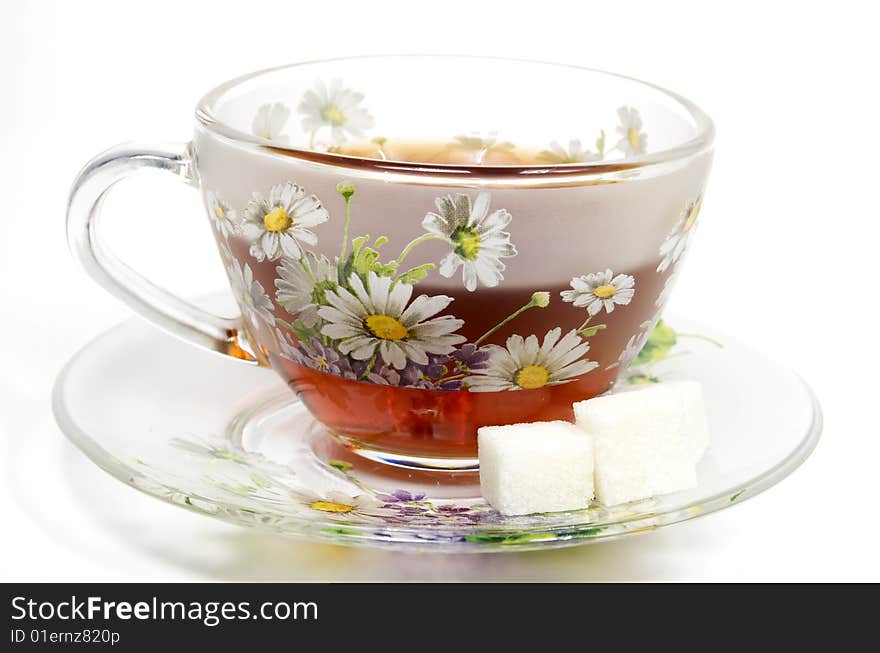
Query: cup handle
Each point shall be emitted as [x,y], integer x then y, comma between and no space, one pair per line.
[167,311]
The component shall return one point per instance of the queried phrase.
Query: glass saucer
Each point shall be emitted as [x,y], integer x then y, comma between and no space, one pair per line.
[230,441]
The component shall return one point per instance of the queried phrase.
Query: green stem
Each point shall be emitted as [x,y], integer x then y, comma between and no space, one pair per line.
[584,325]
[699,336]
[285,325]
[312,138]
[454,377]
[360,484]
[592,330]
[305,266]
[345,229]
[510,317]
[416,241]
[369,367]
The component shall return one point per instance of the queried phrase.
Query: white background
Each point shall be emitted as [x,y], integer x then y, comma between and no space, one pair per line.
[786,260]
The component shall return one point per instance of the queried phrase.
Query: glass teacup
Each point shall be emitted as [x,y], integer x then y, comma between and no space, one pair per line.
[420,246]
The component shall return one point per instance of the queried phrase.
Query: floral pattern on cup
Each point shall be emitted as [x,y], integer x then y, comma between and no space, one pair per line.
[336,109]
[270,121]
[478,239]
[358,315]
[331,114]
[676,242]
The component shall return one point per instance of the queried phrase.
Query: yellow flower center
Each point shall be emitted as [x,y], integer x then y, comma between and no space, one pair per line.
[467,243]
[332,114]
[386,327]
[632,135]
[219,212]
[532,376]
[692,215]
[277,219]
[322,362]
[604,291]
[329,506]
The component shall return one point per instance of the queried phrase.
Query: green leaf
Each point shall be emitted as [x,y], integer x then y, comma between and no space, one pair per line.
[357,243]
[299,329]
[345,269]
[341,465]
[642,379]
[660,342]
[381,240]
[341,531]
[737,495]
[589,332]
[284,324]
[491,538]
[416,274]
[365,259]
[384,269]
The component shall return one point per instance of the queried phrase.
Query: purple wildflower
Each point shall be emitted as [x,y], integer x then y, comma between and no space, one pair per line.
[471,357]
[400,495]
[452,509]
[411,376]
[316,356]
[407,511]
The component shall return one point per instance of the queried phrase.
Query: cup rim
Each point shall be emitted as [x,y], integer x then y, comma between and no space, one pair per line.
[701,142]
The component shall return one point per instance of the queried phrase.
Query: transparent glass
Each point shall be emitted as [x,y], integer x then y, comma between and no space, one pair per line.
[423,245]
[224,440]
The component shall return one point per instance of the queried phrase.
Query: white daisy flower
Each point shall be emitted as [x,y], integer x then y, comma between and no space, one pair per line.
[249,292]
[335,107]
[526,365]
[303,283]
[575,153]
[677,240]
[270,121]
[223,216]
[632,139]
[633,346]
[225,251]
[339,505]
[599,290]
[478,238]
[667,289]
[481,146]
[276,224]
[382,321]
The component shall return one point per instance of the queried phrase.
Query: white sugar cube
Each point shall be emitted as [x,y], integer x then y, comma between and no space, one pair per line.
[646,441]
[536,467]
